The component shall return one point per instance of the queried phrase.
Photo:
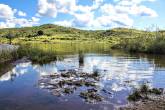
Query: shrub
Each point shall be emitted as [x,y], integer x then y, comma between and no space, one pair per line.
[40,33]
[144,89]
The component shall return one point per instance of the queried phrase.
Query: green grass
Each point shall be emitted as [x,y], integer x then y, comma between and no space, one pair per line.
[7,55]
[145,43]
[36,55]
[40,52]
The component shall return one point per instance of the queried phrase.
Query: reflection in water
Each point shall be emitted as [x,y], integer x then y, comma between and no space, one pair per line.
[120,73]
[81,59]
[17,71]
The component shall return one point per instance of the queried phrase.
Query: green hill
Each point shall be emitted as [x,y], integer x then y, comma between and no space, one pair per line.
[52,30]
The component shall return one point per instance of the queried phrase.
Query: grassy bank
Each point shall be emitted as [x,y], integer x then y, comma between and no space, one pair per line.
[36,55]
[8,52]
[146,43]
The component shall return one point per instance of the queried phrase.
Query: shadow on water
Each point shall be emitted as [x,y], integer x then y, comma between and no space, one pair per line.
[37,86]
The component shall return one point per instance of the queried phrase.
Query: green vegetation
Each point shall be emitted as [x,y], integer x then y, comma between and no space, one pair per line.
[146,43]
[36,55]
[40,33]
[44,53]
[143,92]
[50,33]
[8,55]
[135,96]
[119,38]
[131,40]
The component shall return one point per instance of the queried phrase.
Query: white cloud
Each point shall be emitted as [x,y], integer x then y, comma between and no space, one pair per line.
[6,12]
[66,23]
[131,10]
[21,13]
[47,8]
[7,24]
[144,11]
[96,4]
[111,15]
[66,6]
[83,20]
[132,2]
[35,19]
[115,20]
[24,22]
[20,22]
[50,8]
[98,14]
[9,20]
[136,10]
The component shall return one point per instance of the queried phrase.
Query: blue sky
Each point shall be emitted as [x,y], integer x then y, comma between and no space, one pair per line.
[84,14]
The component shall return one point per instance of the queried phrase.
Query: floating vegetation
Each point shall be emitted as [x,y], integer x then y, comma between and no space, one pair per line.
[144,92]
[65,83]
[91,95]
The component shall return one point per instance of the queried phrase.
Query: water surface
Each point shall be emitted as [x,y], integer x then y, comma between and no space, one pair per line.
[121,72]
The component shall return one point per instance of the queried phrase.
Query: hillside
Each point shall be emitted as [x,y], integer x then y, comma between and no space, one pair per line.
[48,29]
[52,30]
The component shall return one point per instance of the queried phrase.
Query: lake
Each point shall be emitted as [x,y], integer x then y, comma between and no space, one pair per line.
[20,87]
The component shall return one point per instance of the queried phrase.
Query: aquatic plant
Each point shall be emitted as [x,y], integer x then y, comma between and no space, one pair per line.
[143,92]
[91,95]
[8,52]
[36,55]
[135,96]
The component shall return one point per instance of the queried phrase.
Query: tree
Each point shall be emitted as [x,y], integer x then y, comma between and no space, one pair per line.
[10,36]
[40,33]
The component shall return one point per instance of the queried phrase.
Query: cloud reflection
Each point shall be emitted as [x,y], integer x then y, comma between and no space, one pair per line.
[17,71]
[119,73]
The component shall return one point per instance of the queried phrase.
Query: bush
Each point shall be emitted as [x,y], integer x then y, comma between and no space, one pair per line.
[144,89]
[40,33]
